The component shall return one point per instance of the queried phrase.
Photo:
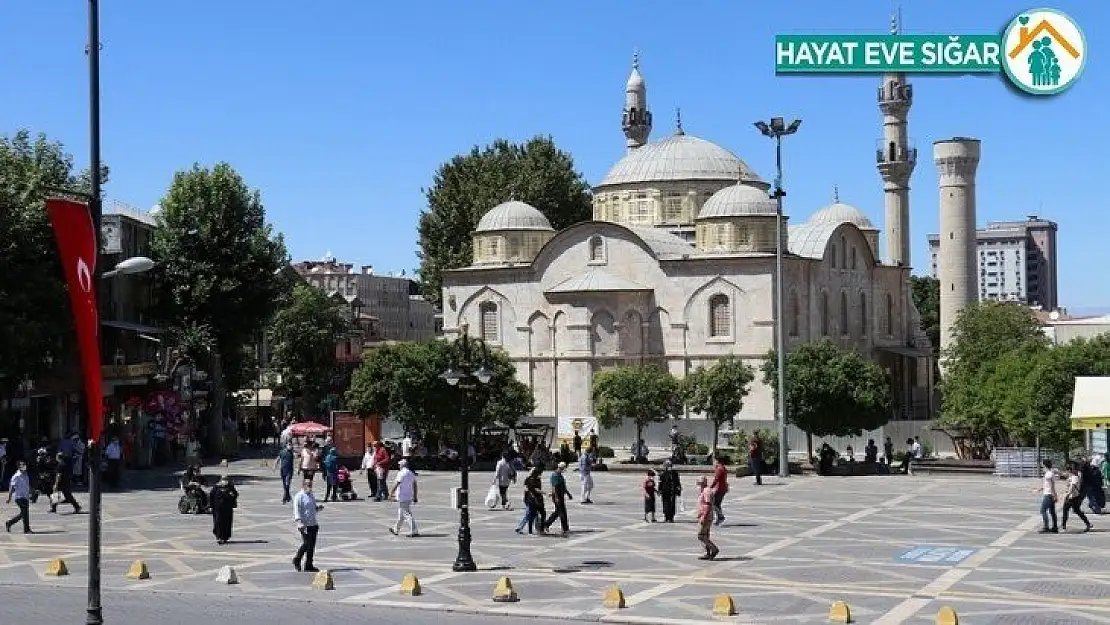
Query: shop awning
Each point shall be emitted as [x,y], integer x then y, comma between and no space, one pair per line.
[265,399]
[1090,406]
[134,327]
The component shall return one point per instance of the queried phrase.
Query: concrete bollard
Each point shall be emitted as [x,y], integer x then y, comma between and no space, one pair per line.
[503,592]
[839,613]
[723,605]
[138,570]
[227,575]
[410,585]
[57,568]
[947,616]
[613,598]
[323,581]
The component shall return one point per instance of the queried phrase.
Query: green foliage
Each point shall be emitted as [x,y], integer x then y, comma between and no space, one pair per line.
[218,270]
[983,334]
[303,335]
[468,185]
[35,318]
[644,394]
[770,439]
[831,391]
[926,298]
[403,382]
[718,391]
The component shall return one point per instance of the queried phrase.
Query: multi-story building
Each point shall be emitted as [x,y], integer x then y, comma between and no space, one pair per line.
[1017,261]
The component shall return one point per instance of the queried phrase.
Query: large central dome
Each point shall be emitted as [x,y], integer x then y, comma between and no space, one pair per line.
[679,157]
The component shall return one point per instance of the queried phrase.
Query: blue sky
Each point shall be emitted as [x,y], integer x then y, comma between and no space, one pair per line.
[340,113]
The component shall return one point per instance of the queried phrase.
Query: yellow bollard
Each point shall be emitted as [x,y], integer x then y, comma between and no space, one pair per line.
[503,592]
[138,570]
[613,598]
[323,581]
[410,586]
[947,616]
[723,605]
[57,568]
[839,613]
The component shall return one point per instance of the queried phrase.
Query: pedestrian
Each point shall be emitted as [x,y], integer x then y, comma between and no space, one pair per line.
[1092,485]
[719,487]
[559,497]
[533,502]
[406,447]
[888,452]
[304,515]
[649,496]
[670,488]
[907,460]
[114,453]
[284,464]
[310,460]
[504,475]
[586,475]
[404,490]
[577,443]
[706,506]
[594,443]
[19,489]
[63,487]
[368,466]
[3,464]
[755,458]
[77,461]
[224,499]
[331,472]
[1073,500]
[1048,498]
[381,469]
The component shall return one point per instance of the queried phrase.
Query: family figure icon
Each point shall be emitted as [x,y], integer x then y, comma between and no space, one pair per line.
[1044,67]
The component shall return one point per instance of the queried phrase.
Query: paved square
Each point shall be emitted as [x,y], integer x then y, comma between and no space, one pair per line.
[894,548]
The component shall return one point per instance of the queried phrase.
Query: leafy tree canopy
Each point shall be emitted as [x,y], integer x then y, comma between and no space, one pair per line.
[831,391]
[719,391]
[303,336]
[468,185]
[644,394]
[34,312]
[403,382]
[926,297]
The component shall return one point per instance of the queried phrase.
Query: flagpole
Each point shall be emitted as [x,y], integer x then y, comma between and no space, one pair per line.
[94,613]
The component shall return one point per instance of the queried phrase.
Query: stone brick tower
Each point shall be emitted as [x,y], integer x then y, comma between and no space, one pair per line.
[896,158]
[957,160]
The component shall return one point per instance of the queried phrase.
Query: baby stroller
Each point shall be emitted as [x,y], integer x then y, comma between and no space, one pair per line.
[343,485]
[194,499]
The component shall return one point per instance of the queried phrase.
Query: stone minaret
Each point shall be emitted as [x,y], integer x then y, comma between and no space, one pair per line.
[957,160]
[896,159]
[636,121]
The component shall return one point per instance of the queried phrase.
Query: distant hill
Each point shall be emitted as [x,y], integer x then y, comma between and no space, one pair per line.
[1084,311]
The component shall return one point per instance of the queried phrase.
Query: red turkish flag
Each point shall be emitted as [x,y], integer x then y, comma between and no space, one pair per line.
[77,246]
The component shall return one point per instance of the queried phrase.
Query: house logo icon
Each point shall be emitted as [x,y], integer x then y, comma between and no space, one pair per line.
[1043,51]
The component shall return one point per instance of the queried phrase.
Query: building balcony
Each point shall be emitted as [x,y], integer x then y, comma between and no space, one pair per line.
[890,153]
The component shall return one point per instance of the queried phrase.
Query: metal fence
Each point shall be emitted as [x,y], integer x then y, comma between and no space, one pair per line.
[1023,461]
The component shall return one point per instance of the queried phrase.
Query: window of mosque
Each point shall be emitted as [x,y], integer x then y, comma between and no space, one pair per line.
[743,236]
[490,331]
[834,256]
[514,247]
[672,208]
[824,312]
[597,250]
[720,316]
[720,236]
[494,247]
[642,212]
[853,257]
[889,314]
[793,314]
[844,330]
[863,314]
[844,253]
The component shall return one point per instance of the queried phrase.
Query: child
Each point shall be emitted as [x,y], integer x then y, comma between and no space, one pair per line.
[649,497]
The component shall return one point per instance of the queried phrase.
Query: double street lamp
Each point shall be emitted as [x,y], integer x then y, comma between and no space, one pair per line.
[467,373]
[776,129]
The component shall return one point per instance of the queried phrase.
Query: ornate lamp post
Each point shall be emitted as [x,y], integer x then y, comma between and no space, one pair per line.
[467,373]
[776,129]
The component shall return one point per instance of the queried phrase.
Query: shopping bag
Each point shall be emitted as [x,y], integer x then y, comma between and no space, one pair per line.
[493,496]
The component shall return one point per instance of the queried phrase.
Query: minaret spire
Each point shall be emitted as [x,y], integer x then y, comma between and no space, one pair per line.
[836,194]
[636,120]
[678,122]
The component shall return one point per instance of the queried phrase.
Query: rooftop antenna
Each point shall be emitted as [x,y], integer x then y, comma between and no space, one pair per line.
[678,121]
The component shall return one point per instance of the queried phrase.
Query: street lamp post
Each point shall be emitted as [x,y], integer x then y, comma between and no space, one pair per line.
[466,377]
[776,129]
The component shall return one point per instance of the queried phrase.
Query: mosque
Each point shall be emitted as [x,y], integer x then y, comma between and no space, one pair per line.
[677,269]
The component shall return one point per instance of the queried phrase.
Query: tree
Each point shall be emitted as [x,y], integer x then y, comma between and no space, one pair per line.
[831,391]
[468,185]
[718,391]
[644,394]
[34,312]
[303,335]
[926,298]
[982,335]
[402,382]
[218,272]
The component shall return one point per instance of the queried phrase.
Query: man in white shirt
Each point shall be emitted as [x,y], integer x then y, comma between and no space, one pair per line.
[404,490]
[20,490]
[918,450]
[369,465]
[304,515]
[1048,498]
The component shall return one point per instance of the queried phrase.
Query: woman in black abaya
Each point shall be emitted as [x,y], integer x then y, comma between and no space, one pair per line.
[223,498]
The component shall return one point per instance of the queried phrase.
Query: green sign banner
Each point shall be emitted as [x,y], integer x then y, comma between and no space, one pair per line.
[951,54]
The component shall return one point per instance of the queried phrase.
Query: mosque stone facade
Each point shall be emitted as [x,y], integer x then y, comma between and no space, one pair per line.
[677,268]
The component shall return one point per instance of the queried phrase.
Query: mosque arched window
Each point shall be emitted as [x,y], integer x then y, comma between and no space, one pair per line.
[844,252]
[824,312]
[863,314]
[793,314]
[889,314]
[844,329]
[597,250]
[491,332]
[720,316]
[833,255]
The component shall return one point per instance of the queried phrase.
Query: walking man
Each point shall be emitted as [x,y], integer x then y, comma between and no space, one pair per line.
[504,475]
[559,497]
[284,463]
[755,458]
[585,474]
[719,488]
[669,490]
[381,469]
[304,515]
[1048,498]
[371,475]
[706,505]
[63,488]
[404,490]
[19,489]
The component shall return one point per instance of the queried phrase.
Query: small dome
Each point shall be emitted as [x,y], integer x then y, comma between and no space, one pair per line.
[679,157]
[635,81]
[738,200]
[513,215]
[839,213]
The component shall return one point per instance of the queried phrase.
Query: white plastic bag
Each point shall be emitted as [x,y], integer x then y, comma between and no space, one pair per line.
[493,496]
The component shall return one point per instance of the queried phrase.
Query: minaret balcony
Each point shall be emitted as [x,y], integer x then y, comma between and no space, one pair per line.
[891,152]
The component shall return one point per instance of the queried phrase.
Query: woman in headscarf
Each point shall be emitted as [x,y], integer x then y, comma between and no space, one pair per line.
[224,499]
[331,469]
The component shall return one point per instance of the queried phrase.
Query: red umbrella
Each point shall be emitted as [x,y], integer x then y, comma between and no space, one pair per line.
[310,428]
